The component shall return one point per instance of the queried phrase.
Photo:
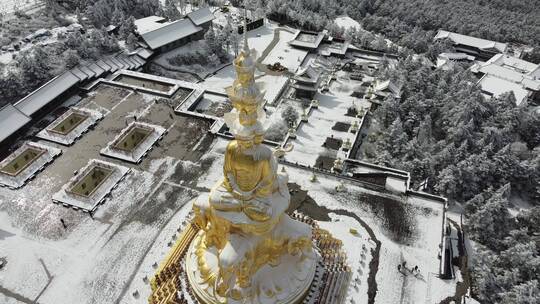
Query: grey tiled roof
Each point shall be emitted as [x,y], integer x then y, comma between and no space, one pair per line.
[11,120]
[46,93]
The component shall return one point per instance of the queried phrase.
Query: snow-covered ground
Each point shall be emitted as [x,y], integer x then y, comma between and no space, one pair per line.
[333,106]
[289,57]
[261,39]
[421,249]
[9,6]
[93,260]
[347,22]
[258,39]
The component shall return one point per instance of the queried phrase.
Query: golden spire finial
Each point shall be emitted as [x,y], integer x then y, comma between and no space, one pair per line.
[246,47]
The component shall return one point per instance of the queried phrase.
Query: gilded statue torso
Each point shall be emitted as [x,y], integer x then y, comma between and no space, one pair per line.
[248,173]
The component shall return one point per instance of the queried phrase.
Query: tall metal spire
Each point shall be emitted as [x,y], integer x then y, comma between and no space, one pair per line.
[246,47]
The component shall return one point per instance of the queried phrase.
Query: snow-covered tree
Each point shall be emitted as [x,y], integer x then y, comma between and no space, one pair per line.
[71,58]
[491,222]
[290,116]
[131,41]
[127,27]
[170,11]
[118,18]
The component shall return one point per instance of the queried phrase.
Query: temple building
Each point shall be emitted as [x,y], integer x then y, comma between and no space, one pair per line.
[503,73]
[481,49]
[160,35]
[306,82]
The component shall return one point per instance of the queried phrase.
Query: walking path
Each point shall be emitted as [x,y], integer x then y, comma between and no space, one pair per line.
[261,67]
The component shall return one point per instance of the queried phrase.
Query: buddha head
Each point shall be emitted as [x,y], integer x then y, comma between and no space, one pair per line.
[244,65]
[245,144]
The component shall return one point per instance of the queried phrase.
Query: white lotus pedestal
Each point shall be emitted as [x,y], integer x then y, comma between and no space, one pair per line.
[286,283]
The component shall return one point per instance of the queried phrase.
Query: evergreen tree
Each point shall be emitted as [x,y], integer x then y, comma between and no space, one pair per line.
[290,116]
[491,223]
[131,41]
[170,11]
[71,58]
[35,66]
[118,17]
[128,27]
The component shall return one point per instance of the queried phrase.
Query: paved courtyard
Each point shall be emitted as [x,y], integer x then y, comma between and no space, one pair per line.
[45,260]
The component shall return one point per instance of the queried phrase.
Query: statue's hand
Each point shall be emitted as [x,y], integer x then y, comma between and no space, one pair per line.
[258,210]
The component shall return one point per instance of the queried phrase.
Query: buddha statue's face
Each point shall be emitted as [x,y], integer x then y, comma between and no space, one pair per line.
[259,139]
[247,114]
[245,144]
[244,78]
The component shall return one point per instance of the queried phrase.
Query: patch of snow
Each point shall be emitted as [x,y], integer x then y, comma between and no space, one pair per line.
[347,22]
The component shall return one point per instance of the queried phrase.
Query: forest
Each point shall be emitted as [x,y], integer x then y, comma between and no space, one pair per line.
[413,23]
[481,152]
[38,64]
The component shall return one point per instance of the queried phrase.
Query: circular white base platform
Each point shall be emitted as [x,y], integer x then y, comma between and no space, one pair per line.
[286,283]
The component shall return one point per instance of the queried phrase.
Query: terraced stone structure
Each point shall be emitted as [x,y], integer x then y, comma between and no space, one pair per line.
[91,181]
[145,83]
[133,137]
[21,162]
[73,120]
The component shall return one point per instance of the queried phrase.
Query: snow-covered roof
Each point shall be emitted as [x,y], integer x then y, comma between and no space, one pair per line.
[87,71]
[508,74]
[113,64]
[80,74]
[304,87]
[134,63]
[496,86]
[531,84]
[120,65]
[339,48]
[388,85]
[535,74]
[307,74]
[126,62]
[102,64]
[139,60]
[456,56]
[11,120]
[170,32]
[143,53]
[446,61]
[479,43]
[110,28]
[514,63]
[307,44]
[96,69]
[148,24]
[201,16]
[46,93]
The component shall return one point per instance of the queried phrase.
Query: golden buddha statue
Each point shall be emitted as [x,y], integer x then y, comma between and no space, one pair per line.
[248,249]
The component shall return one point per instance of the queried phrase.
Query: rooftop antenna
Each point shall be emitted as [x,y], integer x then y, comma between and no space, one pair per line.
[246,47]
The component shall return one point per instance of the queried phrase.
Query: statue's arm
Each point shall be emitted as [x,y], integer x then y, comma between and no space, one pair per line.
[265,186]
